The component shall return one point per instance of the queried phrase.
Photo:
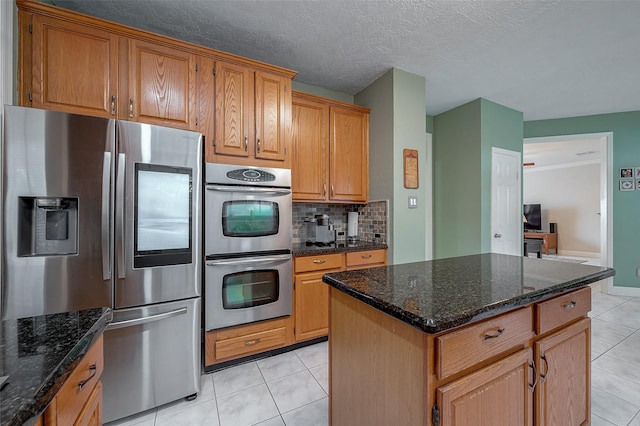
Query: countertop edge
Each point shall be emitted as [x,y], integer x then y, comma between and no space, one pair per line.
[30,410]
[301,250]
[431,326]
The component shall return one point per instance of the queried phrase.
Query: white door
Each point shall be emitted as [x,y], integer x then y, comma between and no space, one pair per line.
[506,202]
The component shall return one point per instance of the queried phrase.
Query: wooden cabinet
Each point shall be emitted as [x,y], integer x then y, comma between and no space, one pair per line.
[549,240]
[330,143]
[68,67]
[312,295]
[76,63]
[161,86]
[530,366]
[252,115]
[500,394]
[79,401]
[563,360]
[235,342]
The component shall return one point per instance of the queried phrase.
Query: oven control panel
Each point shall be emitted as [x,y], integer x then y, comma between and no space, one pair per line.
[251,175]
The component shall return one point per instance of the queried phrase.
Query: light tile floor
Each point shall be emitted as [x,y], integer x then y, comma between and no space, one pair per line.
[291,389]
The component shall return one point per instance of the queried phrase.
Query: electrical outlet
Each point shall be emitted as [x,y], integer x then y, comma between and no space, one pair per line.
[413,202]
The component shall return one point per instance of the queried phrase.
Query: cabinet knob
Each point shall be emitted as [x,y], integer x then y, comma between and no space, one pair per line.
[251,342]
[113,105]
[498,333]
[131,107]
[366,256]
[258,146]
[246,144]
[320,261]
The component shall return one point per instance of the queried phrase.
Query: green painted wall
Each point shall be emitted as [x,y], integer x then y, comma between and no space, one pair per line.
[463,138]
[397,122]
[319,91]
[625,127]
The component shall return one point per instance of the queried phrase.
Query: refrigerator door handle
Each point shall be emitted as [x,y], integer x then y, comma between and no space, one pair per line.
[106,235]
[120,215]
[145,320]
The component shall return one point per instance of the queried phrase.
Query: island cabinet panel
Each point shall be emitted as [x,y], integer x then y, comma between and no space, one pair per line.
[468,346]
[330,140]
[161,85]
[500,394]
[563,361]
[74,67]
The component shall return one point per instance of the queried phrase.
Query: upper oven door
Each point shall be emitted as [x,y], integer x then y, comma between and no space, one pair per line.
[243,219]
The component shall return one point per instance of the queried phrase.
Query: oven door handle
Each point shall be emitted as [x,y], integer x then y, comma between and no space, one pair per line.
[248,190]
[250,260]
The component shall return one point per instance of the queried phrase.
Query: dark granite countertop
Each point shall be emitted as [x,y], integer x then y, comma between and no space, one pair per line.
[302,249]
[442,294]
[38,354]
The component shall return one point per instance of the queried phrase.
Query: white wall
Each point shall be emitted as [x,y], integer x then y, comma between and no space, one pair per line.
[569,196]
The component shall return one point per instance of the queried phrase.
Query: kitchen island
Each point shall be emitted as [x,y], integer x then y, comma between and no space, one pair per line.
[39,354]
[484,339]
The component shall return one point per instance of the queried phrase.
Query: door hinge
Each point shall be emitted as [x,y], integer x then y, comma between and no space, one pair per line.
[30,28]
[435,416]
[30,96]
[196,67]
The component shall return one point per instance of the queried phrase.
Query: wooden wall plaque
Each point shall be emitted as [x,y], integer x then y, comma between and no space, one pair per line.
[410,168]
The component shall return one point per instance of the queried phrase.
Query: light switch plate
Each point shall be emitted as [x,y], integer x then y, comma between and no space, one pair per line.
[413,202]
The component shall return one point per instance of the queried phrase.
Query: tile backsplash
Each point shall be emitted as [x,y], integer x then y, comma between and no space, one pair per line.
[372,221]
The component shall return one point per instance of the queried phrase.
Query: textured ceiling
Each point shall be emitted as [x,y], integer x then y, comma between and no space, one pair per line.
[547,59]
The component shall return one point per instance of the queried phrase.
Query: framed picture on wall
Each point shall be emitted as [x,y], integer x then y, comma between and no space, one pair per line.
[627,185]
[626,173]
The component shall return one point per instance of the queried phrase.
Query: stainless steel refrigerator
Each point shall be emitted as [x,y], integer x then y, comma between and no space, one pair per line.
[101,212]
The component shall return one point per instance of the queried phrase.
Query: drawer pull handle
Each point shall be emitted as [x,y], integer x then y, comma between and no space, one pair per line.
[543,376]
[251,342]
[569,305]
[320,261]
[93,370]
[532,386]
[366,256]
[499,332]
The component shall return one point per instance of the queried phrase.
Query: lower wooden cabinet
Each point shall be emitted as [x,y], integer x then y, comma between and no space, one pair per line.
[563,360]
[312,295]
[79,401]
[500,394]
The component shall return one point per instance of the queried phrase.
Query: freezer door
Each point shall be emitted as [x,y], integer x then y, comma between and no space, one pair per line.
[152,357]
[57,220]
[158,215]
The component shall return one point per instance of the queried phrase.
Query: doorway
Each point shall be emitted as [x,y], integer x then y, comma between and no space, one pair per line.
[506,202]
[602,167]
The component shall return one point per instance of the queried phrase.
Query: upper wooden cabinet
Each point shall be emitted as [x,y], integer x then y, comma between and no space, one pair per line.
[73,68]
[330,143]
[161,85]
[76,63]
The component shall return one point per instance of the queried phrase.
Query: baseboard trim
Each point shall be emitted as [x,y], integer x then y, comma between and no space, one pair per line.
[616,290]
[579,254]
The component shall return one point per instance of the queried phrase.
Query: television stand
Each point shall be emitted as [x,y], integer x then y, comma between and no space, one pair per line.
[549,240]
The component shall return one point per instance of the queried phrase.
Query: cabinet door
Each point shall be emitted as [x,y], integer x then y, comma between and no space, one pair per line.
[91,414]
[349,161]
[310,148]
[497,395]
[272,98]
[563,360]
[312,306]
[234,110]
[205,83]
[74,68]
[161,85]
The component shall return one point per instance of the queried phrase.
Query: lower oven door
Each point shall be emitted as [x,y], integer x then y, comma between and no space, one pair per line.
[247,289]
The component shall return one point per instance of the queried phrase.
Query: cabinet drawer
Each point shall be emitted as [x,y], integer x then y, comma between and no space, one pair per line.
[473,344]
[318,263]
[78,388]
[236,347]
[366,259]
[560,310]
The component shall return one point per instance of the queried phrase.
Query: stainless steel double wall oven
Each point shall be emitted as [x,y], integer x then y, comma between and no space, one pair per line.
[248,234]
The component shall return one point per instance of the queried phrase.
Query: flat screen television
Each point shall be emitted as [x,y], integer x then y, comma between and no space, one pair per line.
[533,217]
